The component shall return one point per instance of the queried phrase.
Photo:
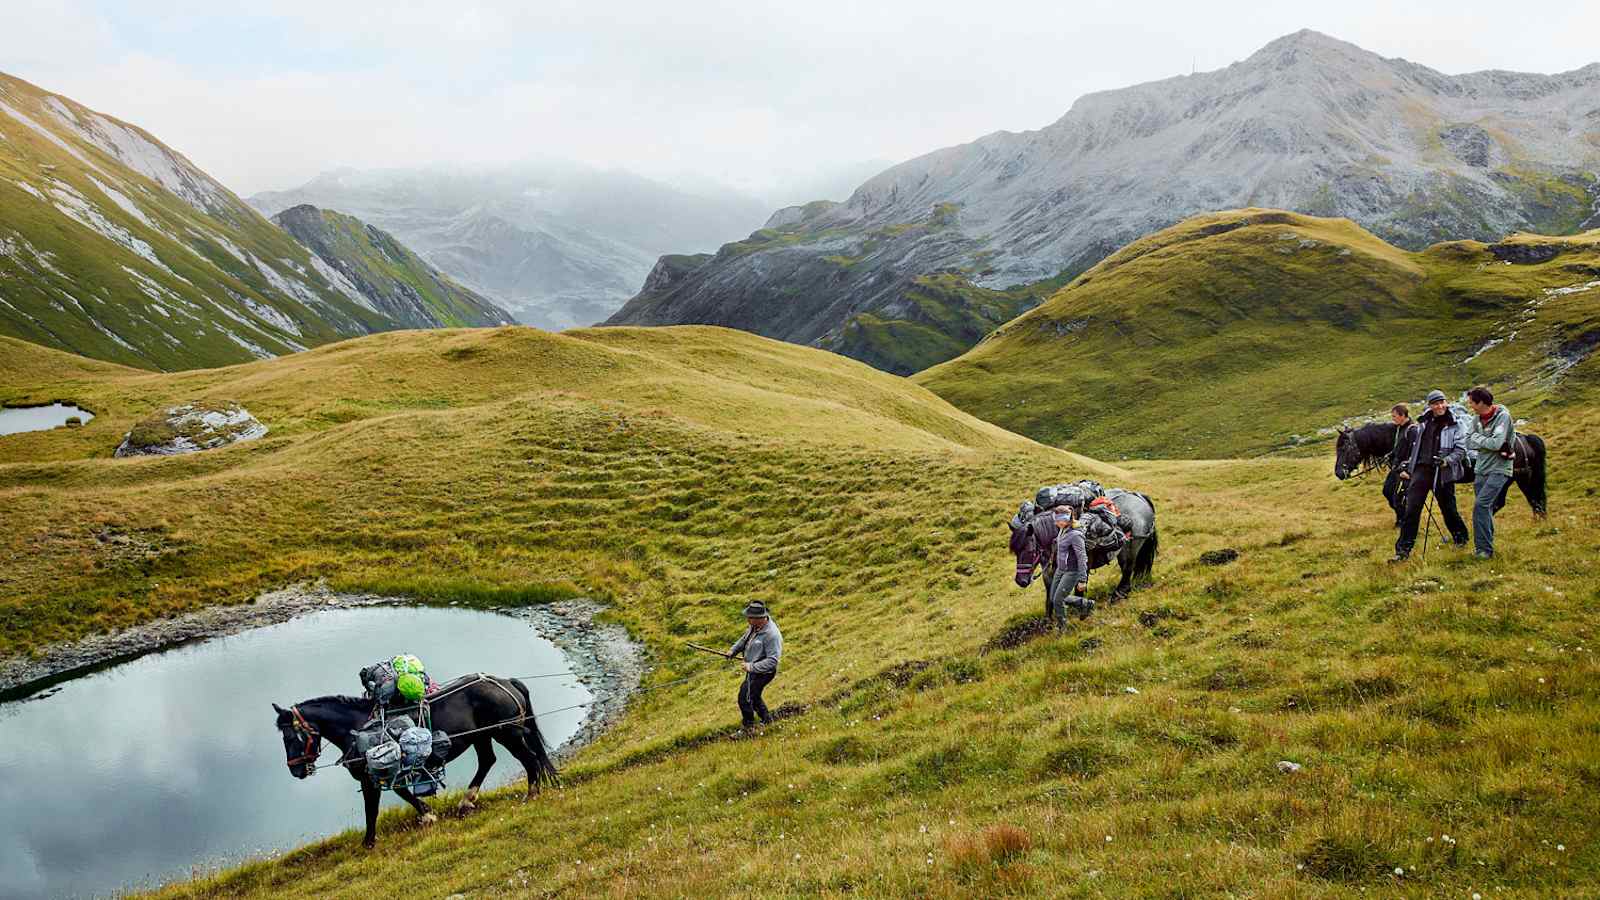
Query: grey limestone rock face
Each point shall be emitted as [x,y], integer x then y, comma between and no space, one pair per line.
[1308,123]
[191,428]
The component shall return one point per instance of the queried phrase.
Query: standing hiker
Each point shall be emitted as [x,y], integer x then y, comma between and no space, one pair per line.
[1405,437]
[1490,434]
[1071,585]
[1435,464]
[762,645]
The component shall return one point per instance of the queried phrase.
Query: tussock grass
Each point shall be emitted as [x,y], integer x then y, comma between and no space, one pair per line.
[937,743]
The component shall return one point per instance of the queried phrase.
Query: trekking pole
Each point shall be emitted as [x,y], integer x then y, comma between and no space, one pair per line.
[1429,530]
[709,650]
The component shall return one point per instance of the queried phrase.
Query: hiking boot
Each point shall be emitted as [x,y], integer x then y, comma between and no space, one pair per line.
[1482,554]
[1083,606]
[1399,558]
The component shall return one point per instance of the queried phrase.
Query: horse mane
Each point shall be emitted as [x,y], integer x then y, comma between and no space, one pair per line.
[337,699]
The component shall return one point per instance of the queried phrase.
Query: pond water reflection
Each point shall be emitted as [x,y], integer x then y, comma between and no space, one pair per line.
[17,419]
[135,774]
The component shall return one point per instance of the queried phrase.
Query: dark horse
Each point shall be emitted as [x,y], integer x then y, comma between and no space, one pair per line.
[499,706]
[1372,447]
[1033,541]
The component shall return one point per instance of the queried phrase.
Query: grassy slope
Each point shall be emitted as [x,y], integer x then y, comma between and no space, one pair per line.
[937,318]
[83,277]
[1211,340]
[681,471]
[374,257]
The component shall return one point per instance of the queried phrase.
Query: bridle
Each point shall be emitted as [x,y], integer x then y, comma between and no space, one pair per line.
[1365,464]
[313,739]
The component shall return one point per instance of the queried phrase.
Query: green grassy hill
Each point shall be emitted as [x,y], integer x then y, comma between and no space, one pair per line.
[936,743]
[385,274]
[1244,331]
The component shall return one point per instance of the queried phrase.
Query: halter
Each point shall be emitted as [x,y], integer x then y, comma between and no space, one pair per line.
[313,739]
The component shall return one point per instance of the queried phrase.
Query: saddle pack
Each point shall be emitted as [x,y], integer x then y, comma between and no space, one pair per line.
[400,749]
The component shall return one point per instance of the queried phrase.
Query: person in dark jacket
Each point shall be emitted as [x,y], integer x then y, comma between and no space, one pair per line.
[762,645]
[1071,586]
[1405,437]
[1436,462]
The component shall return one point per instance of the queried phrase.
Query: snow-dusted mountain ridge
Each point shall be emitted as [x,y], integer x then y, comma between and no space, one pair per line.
[558,244]
[1307,123]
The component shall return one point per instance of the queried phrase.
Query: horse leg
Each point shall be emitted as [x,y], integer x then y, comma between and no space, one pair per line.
[1125,562]
[518,746]
[369,796]
[425,815]
[485,763]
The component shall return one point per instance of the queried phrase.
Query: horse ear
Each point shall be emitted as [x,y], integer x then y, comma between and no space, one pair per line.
[277,709]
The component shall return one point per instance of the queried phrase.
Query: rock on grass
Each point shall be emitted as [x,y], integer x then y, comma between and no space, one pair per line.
[191,428]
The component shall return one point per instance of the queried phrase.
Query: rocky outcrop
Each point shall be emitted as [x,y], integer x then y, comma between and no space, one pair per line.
[191,428]
[1308,123]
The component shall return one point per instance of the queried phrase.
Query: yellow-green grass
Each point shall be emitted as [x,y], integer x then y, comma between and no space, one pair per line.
[676,473]
[1241,332]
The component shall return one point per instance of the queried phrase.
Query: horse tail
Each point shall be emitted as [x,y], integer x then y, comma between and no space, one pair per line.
[1537,497]
[1145,563]
[544,769]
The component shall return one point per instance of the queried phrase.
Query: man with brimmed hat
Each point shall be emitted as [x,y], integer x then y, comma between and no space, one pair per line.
[762,644]
[1436,462]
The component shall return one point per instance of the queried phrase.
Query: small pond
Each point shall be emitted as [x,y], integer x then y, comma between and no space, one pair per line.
[134,775]
[17,419]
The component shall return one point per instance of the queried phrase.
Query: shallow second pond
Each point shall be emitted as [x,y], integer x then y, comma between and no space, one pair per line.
[17,419]
[136,774]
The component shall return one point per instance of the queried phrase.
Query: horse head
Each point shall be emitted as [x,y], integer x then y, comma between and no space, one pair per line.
[301,741]
[1346,454]
[1025,543]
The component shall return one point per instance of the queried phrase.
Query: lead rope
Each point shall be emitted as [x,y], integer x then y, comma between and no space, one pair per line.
[535,716]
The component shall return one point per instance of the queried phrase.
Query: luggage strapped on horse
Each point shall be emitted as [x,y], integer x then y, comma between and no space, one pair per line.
[401,751]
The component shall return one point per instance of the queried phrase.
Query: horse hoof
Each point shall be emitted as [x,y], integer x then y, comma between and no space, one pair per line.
[368,845]
[467,806]
[427,819]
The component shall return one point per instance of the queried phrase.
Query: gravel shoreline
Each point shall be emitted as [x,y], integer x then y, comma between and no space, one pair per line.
[604,659]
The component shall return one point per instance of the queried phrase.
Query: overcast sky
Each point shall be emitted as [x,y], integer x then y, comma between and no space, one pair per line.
[751,93]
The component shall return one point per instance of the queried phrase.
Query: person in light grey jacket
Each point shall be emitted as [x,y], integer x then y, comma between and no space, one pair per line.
[1071,586]
[762,646]
[1489,436]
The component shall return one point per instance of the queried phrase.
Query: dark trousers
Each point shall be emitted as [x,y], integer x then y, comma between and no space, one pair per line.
[1417,499]
[750,702]
[1394,491]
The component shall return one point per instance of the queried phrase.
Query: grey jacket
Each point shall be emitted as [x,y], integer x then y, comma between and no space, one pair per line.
[1486,441]
[1451,445]
[1072,560]
[761,648]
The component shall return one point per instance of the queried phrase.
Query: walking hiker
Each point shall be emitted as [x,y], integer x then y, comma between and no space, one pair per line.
[1405,437]
[762,644]
[1490,435]
[1071,586]
[1435,464]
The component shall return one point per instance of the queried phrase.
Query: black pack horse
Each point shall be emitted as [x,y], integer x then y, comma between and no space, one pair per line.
[475,710]
[1371,448]
[1033,541]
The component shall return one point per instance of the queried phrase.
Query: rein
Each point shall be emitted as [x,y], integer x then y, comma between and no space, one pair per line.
[313,738]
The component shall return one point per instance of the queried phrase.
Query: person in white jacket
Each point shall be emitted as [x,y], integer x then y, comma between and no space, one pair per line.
[762,646]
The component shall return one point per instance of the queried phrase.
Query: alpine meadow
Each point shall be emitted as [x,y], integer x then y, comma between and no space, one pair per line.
[1191,289]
